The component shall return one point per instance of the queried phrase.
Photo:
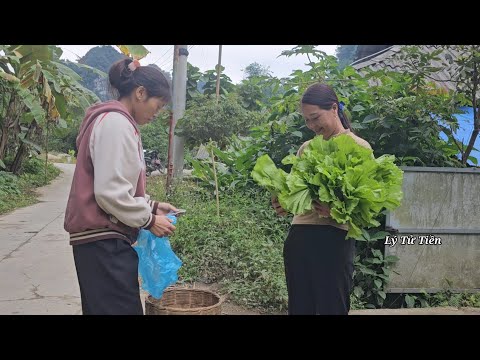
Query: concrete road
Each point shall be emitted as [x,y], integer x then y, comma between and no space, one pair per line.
[37,272]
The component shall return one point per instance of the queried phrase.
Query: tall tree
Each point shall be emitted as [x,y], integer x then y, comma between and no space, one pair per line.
[345,54]
[255,70]
[460,66]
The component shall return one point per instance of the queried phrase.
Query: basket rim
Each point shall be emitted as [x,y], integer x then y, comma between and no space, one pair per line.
[220,298]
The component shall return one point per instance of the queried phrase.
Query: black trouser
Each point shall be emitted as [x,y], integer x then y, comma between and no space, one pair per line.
[107,272]
[319,270]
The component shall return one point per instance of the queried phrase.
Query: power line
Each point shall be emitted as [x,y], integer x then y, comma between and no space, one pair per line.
[165,53]
[167,63]
[78,56]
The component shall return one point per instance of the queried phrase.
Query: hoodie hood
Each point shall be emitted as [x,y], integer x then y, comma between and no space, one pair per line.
[97,109]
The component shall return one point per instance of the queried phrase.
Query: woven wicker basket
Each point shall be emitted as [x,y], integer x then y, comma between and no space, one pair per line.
[184,301]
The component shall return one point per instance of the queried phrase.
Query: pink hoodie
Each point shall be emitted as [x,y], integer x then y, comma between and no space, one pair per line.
[84,218]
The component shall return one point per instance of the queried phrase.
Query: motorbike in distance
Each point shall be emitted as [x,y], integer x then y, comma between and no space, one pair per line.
[152,161]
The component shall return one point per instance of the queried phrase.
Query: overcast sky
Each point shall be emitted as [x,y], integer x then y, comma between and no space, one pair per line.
[234,57]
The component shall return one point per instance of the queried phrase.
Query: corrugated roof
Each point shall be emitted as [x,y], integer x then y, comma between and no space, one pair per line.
[389,58]
[363,51]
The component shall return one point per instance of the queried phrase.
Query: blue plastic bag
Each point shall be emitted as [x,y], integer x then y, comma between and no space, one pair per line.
[158,264]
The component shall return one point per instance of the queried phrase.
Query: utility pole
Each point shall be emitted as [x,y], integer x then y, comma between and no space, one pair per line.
[180,55]
[218,70]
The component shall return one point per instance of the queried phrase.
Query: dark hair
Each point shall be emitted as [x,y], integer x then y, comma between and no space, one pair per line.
[124,80]
[324,97]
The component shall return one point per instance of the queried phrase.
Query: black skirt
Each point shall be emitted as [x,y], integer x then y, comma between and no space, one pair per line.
[107,272]
[319,270]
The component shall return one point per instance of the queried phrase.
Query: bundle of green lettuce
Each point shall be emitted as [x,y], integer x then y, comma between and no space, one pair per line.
[339,172]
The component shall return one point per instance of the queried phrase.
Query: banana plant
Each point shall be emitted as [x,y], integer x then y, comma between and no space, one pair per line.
[134,51]
[42,92]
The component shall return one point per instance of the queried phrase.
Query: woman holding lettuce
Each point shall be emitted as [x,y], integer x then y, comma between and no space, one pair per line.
[317,256]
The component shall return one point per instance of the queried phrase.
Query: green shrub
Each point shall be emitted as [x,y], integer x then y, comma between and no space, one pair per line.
[8,184]
[372,270]
[446,297]
[33,166]
[207,120]
[155,136]
[19,191]
[241,250]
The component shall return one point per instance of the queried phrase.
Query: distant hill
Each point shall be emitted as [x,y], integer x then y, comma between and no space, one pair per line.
[101,58]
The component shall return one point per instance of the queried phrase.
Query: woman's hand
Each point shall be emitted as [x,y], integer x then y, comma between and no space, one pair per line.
[278,208]
[322,209]
[162,226]
[165,208]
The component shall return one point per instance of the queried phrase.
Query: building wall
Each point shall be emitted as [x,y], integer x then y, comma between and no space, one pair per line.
[442,205]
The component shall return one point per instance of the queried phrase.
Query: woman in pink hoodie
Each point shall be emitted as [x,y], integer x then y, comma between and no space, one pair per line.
[108,205]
